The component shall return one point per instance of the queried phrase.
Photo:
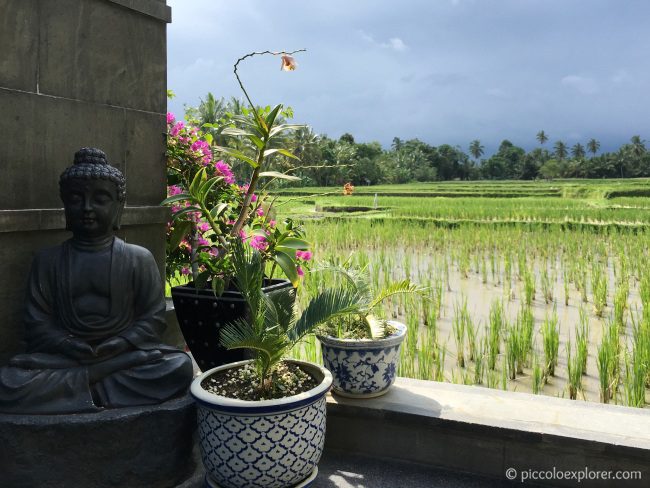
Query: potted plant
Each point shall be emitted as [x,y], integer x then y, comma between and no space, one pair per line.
[359,349]
[262,421]
[210,212]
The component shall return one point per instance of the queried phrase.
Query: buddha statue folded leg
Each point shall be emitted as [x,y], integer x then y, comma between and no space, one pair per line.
[49,383]
[150,383]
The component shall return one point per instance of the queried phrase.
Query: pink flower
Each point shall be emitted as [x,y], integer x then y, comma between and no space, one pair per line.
[204,227]
[170,117]
[253,197]
[176,129]
[259,243]
[203,241]
[260,211]
[300,272]
[271,223]
[214,252]
[174,190]
[242,235]
[185,270]
[304,255]
[225,171]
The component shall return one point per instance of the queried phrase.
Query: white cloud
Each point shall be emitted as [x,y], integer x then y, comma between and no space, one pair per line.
[498,93]
[394,43]
[622,76]
[582,84]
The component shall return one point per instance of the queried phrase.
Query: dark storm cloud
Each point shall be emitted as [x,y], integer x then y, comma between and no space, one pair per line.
[445,71]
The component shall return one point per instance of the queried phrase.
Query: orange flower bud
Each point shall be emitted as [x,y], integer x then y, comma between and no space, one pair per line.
[288,63]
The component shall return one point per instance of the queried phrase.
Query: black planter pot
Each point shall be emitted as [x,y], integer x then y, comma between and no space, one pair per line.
[201,315]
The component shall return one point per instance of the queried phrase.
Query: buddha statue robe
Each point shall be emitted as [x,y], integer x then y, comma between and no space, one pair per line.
[129,303]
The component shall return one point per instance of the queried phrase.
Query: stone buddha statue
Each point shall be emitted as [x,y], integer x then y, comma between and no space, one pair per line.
[95,310]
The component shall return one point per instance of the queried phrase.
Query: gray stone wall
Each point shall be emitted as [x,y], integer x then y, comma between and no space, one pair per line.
[76,73]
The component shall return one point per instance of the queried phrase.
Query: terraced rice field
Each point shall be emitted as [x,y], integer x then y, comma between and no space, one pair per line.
[540,293]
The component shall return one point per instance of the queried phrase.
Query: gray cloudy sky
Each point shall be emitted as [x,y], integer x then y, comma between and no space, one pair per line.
[444,71]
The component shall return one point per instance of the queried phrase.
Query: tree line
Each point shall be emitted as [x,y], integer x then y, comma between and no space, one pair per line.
[325,161]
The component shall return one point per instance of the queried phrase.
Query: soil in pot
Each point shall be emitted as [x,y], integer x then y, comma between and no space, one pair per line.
[243,382]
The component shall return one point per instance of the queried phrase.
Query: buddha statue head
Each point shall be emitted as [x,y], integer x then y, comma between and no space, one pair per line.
[93,194]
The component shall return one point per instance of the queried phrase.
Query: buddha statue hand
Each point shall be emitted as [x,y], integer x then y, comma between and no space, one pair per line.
[78,349]
[111,347]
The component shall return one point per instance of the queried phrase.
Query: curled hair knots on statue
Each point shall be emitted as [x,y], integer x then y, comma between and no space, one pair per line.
[91,163]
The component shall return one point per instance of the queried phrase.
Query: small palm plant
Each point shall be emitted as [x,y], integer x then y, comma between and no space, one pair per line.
[273,325]
[360,322]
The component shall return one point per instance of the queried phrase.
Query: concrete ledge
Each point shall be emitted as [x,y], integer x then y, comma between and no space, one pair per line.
[153,8]
[54,219]
[486,432]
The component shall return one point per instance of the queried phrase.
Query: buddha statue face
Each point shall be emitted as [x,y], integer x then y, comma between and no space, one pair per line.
[92,207]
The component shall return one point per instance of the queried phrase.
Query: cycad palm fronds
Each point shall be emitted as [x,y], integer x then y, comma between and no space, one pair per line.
[272,327]
[357,279]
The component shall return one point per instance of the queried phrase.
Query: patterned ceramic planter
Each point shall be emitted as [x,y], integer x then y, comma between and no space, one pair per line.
[362,368]
[262,444]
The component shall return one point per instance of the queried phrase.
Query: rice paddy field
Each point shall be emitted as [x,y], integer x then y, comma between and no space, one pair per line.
[537,287]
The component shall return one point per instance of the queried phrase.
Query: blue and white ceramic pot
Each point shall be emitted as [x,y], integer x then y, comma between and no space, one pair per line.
[262,444]
[363,368]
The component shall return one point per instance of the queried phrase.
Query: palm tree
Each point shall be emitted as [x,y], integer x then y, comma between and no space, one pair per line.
[476,149]
[638,146]
[542,137]
[578,151]
[560,150]
[593,146]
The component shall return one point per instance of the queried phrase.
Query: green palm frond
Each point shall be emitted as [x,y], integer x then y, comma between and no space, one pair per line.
[283,304]
[240,335]
[396,288]
[326,305]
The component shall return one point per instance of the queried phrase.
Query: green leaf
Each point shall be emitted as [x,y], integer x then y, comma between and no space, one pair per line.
[196,182]
[294,243]
[208,138]
[184,211]
[270,118]
[176,198]
[268,152]
[180,230]
[201,280]
[257,141]
[234,131]
[323,307]
[207,186]
[218,286]
[288,154]
[276,174]
[237,154]
[281,128]
[288,267]
[218,210]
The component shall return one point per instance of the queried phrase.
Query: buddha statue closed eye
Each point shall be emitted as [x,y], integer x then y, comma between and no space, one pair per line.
[94,311]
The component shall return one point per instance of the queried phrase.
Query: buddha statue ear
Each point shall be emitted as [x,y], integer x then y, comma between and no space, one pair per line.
[118,217]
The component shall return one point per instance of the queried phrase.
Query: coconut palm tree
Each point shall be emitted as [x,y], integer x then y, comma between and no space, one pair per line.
[578,151]
[542,137]
[638,146]
[560,150]
[593,146]
[476,149]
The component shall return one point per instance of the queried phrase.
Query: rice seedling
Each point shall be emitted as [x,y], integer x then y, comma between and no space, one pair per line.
[529,287]
[512,350]
[607,362]
[459,327]
[547,288]
[551,341]
[495,327]
[574,372]
[538,378]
